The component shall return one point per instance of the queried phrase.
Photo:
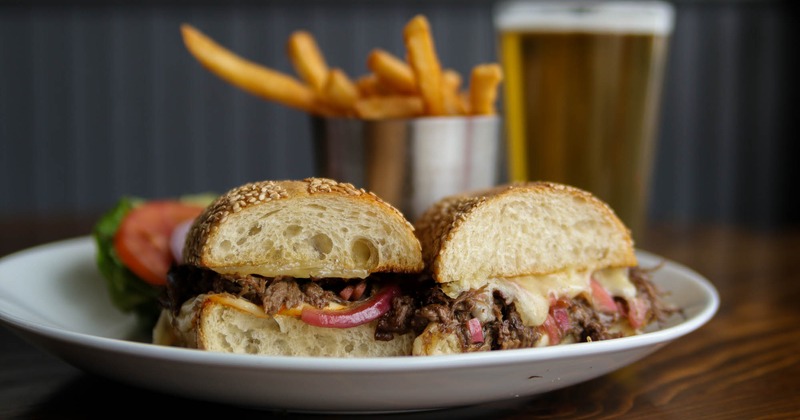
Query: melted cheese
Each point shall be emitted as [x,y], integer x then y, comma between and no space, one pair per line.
[617,281]
[258,311]
[298,310]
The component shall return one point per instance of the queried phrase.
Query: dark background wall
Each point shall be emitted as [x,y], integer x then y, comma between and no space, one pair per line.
[100,99]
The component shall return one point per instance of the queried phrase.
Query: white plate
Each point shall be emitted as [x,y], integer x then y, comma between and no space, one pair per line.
[54,296]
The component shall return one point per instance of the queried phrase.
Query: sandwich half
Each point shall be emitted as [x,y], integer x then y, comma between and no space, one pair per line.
[528,265]
[300,268]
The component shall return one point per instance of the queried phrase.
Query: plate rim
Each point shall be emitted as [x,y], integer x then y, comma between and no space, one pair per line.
[710,305]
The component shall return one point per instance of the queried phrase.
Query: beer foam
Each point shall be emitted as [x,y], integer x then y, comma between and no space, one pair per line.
[623,17]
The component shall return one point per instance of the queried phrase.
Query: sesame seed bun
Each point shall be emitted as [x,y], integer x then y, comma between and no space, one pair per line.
[309,228]
[519,230]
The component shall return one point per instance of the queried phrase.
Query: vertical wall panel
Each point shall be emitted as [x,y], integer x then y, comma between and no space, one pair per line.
[724,139]
[674,184]
[772,113]
[101,99]
[17,148]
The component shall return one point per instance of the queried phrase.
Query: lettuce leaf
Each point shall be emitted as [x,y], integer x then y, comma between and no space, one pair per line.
[128,292]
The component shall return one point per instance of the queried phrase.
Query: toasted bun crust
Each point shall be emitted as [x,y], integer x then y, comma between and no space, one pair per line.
[311,228]
[521,229]
[229,324]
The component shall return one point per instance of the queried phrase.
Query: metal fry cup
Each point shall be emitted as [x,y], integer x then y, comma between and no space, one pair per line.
[410,163]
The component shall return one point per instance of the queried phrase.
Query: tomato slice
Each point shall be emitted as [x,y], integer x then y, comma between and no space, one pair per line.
[637,313]
[558,322]
[550,328]
[371,309]
[142,241]
[475,330]
[601,299]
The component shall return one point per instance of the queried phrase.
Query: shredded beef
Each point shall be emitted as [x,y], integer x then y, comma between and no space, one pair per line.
[318,297]
[281,293]
[436,312]
[272,293]
[508,330]
[399,319]
[420,304]
[434,306]
[589,324]
[248,287]
[659,309]
[184,282]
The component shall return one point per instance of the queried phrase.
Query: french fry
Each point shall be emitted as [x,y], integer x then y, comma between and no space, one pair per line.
[371,85]
[394,87]
[308,61]
[386,107]
[463,102]
[425,63]
[247,75]
[368,85]
[339,91]
[483,88]
[392,71]
[451,80]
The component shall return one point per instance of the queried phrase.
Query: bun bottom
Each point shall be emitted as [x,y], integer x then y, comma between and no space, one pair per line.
[231,325]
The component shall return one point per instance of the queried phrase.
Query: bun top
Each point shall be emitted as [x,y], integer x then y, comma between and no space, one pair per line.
[313,228]
[519,230]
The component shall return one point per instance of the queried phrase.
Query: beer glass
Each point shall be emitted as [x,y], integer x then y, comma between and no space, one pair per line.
[581,100]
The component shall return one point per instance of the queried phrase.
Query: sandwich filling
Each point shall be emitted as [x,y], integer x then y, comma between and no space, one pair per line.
[500,314]
[327,302]
[540,311]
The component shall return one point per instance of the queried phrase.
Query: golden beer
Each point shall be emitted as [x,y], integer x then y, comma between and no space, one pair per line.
[582,93]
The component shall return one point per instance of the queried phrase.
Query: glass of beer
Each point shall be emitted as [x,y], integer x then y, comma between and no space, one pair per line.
[582,91]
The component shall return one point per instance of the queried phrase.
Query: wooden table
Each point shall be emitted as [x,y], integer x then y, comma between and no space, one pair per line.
[745,363]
